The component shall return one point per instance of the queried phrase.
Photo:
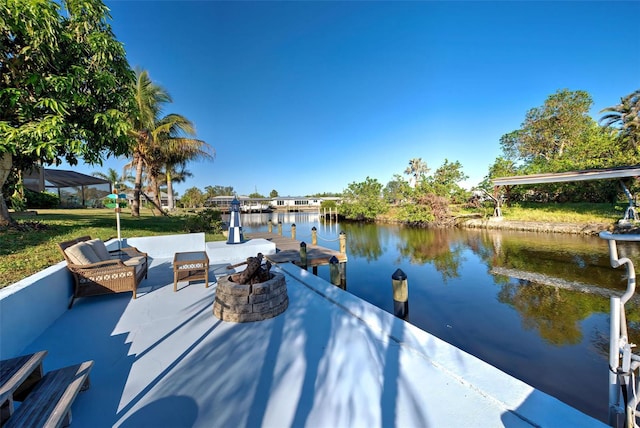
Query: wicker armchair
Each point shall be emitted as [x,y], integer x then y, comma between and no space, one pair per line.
[98,271]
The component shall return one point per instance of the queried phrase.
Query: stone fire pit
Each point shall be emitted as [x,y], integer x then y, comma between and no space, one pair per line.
[238,302]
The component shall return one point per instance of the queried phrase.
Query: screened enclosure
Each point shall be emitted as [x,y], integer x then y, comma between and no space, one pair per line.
[75,190]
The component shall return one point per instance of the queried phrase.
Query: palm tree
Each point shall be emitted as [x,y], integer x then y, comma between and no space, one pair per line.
[113,177]
[416,170]
[148,101]
[174,148]
[174,174]
[625,116]
[160,143]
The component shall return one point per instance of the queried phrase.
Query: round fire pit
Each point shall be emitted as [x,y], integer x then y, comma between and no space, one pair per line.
[250,302]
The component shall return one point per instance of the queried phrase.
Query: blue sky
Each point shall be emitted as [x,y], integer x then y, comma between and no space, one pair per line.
[307,97]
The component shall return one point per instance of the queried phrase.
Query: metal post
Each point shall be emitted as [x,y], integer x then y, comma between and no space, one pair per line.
[343,242]
[293,231]
[614,362]
[623,397]
[400,294]
[314,236]
[303,255]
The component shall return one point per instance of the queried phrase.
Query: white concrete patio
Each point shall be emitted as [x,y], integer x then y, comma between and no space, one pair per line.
[330,360]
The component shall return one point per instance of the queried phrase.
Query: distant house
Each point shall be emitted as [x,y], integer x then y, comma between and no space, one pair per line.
[74,189]
[148,197]
[247,204]
[299,203]
[280,203]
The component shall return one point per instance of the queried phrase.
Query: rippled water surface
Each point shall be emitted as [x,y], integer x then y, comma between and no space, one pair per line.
[534,305]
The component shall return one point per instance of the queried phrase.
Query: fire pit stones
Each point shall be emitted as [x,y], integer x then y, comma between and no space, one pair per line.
[251,302]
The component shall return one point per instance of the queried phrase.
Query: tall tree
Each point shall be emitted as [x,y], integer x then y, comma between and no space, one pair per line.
[175,174]
[548,131]
[174,147]
[193,198]
[161,143]
[396,190]
[416,170]
[363,201]
[64,85]
[625,117]
[149,99]
[445,182]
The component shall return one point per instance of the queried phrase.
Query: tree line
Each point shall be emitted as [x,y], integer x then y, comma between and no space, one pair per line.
[558,136]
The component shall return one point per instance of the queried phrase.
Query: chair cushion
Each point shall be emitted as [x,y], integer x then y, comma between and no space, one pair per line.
[81,254]
[99,248]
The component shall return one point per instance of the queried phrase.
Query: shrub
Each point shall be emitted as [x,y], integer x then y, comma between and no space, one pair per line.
[41,200]
[205,221]
[428,210]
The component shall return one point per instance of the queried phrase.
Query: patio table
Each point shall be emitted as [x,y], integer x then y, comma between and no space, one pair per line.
[190,266]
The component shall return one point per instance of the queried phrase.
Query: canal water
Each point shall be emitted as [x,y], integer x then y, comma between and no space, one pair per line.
[534,305]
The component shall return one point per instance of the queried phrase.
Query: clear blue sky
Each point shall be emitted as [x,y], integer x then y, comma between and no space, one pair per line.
[307,97]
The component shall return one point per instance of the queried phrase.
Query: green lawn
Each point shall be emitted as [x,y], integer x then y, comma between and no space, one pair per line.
[565,213]
[583,213]
[25,253]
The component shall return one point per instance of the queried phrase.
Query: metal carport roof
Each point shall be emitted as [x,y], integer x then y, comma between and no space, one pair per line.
[591,174]
[62,178]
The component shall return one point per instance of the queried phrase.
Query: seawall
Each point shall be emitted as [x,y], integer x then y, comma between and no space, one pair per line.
[536,226]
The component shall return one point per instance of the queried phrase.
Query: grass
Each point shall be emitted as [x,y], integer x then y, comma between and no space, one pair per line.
[581,213]
[25,253]
[565,213]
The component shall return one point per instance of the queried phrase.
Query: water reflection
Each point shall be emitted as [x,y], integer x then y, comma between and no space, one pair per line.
[440,247]
[365,240]
[552,334]
[554,313]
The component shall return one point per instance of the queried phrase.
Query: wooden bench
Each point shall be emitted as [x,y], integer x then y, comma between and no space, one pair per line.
[18,376]
[49,403]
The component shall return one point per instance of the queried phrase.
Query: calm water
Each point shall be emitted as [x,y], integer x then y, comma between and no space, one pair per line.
[472,289]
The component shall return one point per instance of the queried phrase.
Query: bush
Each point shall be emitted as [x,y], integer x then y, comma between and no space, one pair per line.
[41,200]
[429,210]
[328,204]
[205,221]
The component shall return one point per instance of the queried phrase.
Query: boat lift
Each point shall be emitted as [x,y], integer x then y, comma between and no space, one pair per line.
[624,365]
[630,214]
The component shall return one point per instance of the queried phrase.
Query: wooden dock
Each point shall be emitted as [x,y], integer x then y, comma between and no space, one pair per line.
[288,250]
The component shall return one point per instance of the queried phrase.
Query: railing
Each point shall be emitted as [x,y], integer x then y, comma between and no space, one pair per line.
[624,365]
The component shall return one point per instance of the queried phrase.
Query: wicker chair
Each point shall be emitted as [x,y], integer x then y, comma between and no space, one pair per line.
[103,272]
